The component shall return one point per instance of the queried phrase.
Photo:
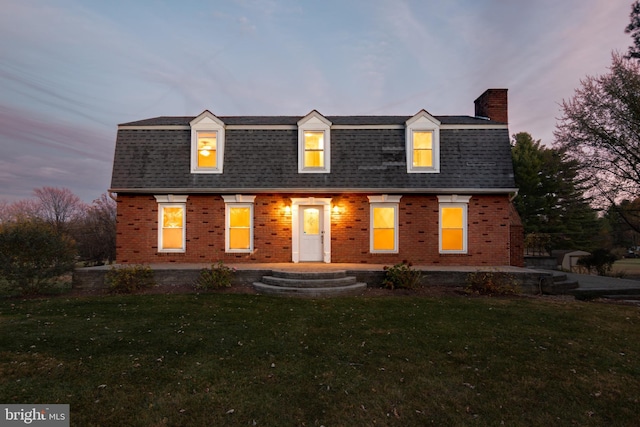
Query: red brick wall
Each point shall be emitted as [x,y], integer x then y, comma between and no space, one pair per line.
[489,231]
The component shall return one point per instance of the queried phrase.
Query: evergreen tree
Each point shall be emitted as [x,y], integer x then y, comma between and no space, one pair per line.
[634,29]
[550,200]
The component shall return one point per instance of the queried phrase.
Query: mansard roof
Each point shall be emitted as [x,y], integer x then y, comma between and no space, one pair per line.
[368,154]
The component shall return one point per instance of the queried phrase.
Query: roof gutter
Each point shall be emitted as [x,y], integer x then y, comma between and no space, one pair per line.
[375,190]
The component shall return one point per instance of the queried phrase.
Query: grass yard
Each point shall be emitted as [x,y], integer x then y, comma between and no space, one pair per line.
[238,359]
[629,267]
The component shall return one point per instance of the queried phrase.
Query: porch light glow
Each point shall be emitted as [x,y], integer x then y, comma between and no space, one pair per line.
[287,210]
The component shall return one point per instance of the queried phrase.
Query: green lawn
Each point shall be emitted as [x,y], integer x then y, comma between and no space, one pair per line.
[628,266]
[233,359]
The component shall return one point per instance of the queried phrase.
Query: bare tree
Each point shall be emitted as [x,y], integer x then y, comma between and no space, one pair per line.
[95,233]
[20,210]
[58,206]
[600,130]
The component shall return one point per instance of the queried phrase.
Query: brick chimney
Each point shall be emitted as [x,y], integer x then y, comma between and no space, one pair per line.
[493,104]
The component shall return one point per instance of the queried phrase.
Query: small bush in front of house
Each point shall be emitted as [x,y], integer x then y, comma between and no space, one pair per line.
[492,283]
[34,257]
[401,276]
[216,277]
[600,260]
[129,279]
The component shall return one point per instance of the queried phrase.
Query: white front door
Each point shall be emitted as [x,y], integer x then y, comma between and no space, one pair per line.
[311,223]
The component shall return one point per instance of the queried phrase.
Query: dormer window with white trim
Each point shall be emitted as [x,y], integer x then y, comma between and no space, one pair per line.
[423,143]
[314,144]
[207,144]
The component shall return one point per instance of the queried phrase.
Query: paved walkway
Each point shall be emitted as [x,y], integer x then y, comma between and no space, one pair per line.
[587,281]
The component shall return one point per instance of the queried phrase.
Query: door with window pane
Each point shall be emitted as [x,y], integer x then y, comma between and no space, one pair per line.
[311,233]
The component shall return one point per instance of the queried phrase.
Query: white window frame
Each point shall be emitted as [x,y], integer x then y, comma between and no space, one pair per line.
[314,122]
[385,201]
[207,123]
[172,201]
[454,201]
[237,201]
[423,122]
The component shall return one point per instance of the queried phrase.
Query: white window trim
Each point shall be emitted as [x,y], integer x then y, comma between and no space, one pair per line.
[314,122]
[385,201]
[172,201]
[237,201]
[423,122]
[454,201]
[207,122]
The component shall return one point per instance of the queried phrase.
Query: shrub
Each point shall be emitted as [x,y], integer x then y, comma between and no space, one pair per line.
[129,279]
[33,256]
[601,260]
[218,276]
[492,283]
[401,276]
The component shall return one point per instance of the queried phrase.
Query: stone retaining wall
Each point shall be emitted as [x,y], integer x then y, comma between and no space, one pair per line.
[93,278]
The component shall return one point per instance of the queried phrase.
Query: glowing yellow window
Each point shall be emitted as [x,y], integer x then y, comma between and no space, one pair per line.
[452,228]
[172,228]
[239,228]
[313,149]
[384,229]
[207,149]
[423,149]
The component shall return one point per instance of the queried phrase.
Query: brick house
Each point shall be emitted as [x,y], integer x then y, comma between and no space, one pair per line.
[434,190]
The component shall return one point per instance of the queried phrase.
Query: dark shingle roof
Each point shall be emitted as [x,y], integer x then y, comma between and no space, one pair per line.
[263,159]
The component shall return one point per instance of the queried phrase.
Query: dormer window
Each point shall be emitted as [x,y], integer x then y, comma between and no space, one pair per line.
[314,144]
[207,144]
[423,143]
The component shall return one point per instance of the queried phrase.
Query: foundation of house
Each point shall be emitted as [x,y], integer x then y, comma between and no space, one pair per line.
[172,274]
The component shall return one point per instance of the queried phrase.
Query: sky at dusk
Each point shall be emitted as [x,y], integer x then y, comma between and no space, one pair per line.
[72,70]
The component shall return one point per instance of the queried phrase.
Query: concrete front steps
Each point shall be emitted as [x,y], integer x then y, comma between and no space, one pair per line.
[308,284]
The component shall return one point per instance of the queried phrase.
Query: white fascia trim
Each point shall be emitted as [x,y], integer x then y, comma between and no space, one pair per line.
[292,127]
[315,190]
[158,127]
[472,127]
